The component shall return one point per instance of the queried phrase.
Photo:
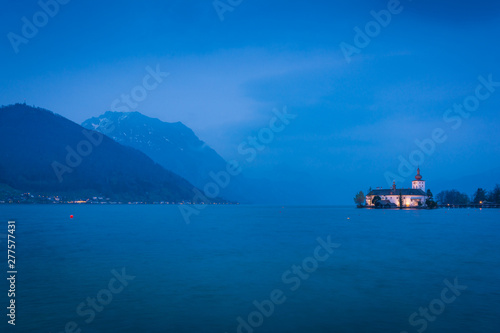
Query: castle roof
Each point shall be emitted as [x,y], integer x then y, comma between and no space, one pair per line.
[402,191]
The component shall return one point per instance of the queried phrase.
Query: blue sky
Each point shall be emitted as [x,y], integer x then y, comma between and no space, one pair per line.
[354,119]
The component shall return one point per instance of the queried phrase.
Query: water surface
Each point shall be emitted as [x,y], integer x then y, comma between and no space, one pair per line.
[201,277]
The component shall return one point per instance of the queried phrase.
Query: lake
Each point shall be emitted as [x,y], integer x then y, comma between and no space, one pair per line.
[141,268]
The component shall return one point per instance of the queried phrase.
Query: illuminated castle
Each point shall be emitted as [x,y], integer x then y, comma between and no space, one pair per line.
[406,197]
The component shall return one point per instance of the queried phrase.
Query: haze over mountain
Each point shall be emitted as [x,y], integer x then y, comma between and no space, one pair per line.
[44,152]
[173,145]
[177,148]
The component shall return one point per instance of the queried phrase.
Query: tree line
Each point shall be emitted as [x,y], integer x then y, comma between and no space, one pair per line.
[454,197]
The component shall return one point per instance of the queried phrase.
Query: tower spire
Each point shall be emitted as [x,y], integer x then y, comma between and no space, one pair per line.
[418,176]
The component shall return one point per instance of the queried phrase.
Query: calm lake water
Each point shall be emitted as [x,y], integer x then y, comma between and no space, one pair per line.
[387,266]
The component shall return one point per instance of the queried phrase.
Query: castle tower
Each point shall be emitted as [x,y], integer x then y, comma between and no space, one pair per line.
[418,183]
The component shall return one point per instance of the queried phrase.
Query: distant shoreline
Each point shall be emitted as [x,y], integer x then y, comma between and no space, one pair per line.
[475,206]
[114,203]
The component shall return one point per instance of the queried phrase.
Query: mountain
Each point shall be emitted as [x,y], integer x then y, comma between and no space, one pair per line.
[44,152]
[172,145]
[177,148]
